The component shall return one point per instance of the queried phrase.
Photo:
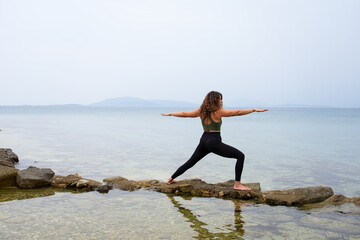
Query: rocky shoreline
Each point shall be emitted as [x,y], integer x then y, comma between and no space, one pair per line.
[33,177]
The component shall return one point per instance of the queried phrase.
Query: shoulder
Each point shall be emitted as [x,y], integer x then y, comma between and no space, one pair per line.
[221,112]
[217,115]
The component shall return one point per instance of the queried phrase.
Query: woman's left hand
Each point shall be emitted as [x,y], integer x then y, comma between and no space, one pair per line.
[165,114]
[260,110]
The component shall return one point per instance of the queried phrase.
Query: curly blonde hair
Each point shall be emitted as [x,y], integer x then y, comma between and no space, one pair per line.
[210,104]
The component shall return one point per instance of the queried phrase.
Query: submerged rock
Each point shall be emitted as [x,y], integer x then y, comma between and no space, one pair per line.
[7,176]
[7,157]
[339,199]
[338,203]
[33,177]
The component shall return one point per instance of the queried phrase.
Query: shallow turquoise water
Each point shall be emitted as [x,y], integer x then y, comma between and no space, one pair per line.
[151,215]
[284,148]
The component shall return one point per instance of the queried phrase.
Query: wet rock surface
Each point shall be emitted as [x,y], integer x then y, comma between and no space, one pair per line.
[103,188]
[74,181]
[122,183]
[33,177]
[7,176]
[339,199]
[197,187]
[297,196]
[337,203]
[7,157]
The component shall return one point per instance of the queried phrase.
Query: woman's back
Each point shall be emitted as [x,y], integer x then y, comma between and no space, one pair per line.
[212,123]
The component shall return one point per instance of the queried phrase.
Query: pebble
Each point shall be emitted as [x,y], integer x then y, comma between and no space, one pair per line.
[14,220]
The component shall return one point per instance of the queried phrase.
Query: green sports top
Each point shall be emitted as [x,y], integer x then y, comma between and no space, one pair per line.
[213,126]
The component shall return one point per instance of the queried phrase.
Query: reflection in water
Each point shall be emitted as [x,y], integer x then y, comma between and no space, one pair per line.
[238,218]
[203,233]
[14,193]
[150,215]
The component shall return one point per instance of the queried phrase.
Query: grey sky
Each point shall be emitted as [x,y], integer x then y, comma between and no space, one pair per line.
[271,52]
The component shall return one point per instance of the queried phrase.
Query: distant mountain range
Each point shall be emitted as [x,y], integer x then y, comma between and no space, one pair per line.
[139,102]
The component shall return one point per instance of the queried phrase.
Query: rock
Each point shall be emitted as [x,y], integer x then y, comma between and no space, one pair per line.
[230,184]
[103,188]
[339,199]
[74,180]
[123,183]
[193,187]
[64,182]
[7,157]
[185,188]
[356,200]
[297,196]
[336,199]
[82,183]
[7,176]
[87,183]
[33,177]
[148,183]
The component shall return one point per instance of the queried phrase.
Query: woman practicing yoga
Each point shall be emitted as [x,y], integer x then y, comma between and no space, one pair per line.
[211,112]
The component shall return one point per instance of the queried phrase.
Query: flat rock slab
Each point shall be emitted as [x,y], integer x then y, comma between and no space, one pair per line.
[7,157]
[34,177]
[7,176]
[297,196]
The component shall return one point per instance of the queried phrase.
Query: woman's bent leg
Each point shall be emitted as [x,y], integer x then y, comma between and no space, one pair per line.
[199,153]
[227,151]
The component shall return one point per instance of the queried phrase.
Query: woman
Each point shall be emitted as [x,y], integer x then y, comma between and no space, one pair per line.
[211,112]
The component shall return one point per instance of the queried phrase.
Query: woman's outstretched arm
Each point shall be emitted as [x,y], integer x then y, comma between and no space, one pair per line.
[231,113]
[192,114]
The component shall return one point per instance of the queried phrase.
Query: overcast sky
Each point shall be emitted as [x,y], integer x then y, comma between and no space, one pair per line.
[265,52]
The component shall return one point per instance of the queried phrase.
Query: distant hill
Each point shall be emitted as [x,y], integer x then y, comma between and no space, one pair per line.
[138,102]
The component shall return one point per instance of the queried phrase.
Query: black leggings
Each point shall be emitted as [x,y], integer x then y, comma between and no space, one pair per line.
[211,142]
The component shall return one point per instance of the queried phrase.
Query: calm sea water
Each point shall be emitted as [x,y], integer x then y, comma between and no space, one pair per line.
[284,148]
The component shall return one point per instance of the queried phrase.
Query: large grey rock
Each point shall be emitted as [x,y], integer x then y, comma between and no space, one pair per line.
[7,157]
[33,177]
[7,176]
[297,196]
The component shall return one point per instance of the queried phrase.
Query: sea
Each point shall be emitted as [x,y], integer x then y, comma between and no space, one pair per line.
[284,148]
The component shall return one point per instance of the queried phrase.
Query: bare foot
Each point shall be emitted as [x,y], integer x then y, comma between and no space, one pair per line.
[170,181]
[239,186]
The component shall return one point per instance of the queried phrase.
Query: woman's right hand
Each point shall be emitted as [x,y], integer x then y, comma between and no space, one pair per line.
[165,114]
